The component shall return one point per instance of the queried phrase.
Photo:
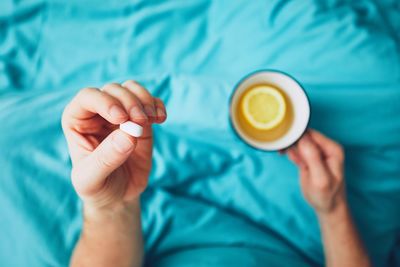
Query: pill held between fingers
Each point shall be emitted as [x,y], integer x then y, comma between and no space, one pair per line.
[131,128]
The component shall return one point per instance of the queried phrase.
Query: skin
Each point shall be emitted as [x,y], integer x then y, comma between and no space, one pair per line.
[110,170]
[320,162]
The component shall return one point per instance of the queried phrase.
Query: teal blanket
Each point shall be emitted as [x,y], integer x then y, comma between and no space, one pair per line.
[212,200]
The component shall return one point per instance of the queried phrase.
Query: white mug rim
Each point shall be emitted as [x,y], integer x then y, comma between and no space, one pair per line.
[253,143]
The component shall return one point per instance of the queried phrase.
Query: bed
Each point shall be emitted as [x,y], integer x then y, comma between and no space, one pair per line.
[212,200]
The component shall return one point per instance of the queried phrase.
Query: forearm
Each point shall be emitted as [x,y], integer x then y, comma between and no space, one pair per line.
[110,237]
[342,244]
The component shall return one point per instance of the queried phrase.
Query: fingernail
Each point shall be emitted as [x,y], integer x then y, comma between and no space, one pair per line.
[122,142]
[137,113]
[117,112]
[160,113]
[150,110]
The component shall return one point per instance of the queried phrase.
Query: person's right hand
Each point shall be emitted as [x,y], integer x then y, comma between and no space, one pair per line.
[320,161]
[110,167]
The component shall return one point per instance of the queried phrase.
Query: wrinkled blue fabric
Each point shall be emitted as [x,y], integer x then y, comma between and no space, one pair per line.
[212,200]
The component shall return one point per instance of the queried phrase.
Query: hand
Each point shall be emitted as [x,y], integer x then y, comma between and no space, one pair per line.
[110,167]
[320,161]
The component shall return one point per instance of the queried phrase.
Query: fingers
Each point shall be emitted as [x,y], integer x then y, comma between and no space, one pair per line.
[160,110]
[313,159]
[90,174]
[145,98]
[90,102]
[131,103]
[153,107]
[116,104]
[328,146]
[332,152]
[294,156]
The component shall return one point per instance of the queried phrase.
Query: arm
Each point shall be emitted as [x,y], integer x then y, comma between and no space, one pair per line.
[320,161]
[342,245]
[110,170]
[110,238]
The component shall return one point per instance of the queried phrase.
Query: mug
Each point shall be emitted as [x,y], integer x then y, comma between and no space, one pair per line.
[297,115]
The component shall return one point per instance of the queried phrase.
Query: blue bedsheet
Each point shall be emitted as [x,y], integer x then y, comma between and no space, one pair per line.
[212,201]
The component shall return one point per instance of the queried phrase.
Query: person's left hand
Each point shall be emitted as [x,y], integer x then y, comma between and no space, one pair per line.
[320,161]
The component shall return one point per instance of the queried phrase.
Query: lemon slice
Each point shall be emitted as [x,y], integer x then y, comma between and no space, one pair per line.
[263,107]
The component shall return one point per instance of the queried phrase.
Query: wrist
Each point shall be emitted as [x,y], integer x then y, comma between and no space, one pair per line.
[111,236]
[339,212]
[122,210]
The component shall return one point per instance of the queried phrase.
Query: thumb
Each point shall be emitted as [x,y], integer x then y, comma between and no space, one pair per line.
[89,175]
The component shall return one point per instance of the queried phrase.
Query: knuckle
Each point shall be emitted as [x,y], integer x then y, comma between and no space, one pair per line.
[136,104]
[84,94]
[312,153]
[131,83]
[338,152]
[323,186]
[158,101]
[109,87]
[86,90]
[136,88]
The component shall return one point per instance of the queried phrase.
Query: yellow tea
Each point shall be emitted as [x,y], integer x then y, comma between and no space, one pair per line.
[264,112]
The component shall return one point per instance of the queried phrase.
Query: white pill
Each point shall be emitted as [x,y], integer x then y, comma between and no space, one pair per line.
[131,128]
